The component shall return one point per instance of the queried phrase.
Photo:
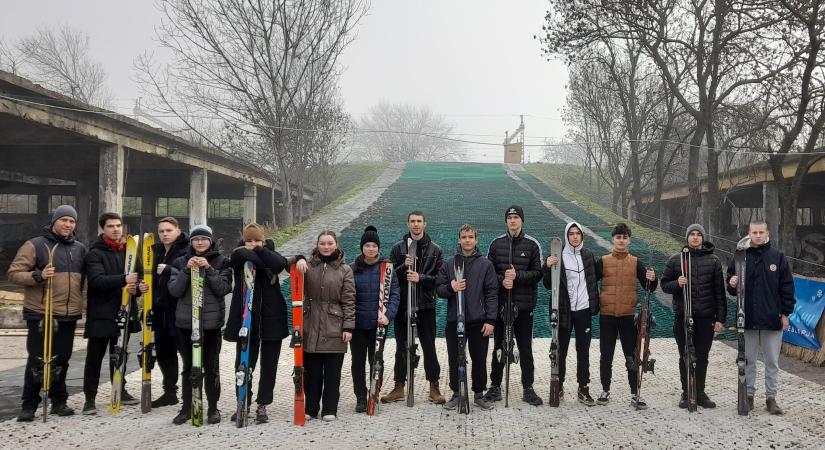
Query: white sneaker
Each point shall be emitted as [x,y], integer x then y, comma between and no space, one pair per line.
[329,418]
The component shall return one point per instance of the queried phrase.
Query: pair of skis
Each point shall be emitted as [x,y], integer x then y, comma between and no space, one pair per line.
[461,338]
[377,368]
[642,362]
[146,356]
[740,266]
[507,353]
[296,282]
[412,319]
[243,375]
[689,350]
[120,354]
[555,277]
[197,275]
[47,328]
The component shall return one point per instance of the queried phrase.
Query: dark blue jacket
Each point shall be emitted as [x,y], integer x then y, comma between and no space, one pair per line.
[481,294]
[769,291]
[367,280]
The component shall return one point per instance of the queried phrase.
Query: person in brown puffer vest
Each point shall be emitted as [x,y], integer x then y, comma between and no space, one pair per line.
[619,271]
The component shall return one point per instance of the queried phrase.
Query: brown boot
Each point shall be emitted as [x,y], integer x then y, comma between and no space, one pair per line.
[397,394]
[435,394]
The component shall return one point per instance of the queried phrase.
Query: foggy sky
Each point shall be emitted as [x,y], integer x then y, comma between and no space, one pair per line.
[474,61]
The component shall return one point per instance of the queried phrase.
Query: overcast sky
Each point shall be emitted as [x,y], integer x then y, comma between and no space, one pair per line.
[474,61]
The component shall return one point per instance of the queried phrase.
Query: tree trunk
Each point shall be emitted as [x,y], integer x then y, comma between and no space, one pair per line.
[694,187]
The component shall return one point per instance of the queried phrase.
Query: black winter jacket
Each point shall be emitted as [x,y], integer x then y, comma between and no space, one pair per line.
[430,259]
[526,259]
[217,283]
[269,312]
[162,301]
[707,284]
[588,271]
[769,290]
[104,272]
[367,286]
[481,294]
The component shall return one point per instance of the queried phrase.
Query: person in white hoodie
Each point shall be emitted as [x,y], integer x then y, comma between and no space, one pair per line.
[578,303]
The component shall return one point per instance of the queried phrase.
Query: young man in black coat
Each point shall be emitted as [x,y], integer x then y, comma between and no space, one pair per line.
[171,244]
[517,259]
[578,303]
[708,305]
[269,313]
[430,259]
[480,286]
[104,271]
[769,300]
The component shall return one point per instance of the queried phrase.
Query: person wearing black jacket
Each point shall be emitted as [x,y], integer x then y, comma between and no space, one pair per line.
[480,286]
[269,313]
[104,271]
[769,300]
[517,259]
[171,245]
[578,303]
[217,283]
[429,262]
[708,305]
[366,271]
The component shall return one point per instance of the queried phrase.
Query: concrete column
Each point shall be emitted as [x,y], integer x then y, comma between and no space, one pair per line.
[197,197]
[87,220]
[148,203]
[250,204]
[770,208]
[111,175]
[816,216]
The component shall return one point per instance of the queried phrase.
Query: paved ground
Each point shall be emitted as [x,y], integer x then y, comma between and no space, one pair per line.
[428,426]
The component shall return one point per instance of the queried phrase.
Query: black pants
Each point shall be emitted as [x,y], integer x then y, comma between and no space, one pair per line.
[166,350]
[322,376]
[523,331]
[610,328]
[363,349]
[95,352]
[211,371]
[582,324]
[62,342]
[477,345]
[269,352]
[426,339]
[702,340]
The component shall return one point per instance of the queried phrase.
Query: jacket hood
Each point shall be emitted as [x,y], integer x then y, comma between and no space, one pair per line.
[706,248]
[567,247]
[315,259]
[50,235]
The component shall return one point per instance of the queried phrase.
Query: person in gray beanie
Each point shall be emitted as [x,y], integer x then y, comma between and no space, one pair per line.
[709,308]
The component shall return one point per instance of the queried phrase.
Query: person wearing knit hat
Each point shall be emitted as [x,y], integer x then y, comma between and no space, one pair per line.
[200,232]
[514,209]
[708,306]
[366,272]
[63,211]
[269,314]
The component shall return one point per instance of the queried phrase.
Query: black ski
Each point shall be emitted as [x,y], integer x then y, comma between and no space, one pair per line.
[555,276]
[507,353]
[690,349]
[412,331]
[739,262]
[461,338]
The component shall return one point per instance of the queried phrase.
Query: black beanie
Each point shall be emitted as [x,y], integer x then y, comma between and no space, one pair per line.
[370,235]
[515,209]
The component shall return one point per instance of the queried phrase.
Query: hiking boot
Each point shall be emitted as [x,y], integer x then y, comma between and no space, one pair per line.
[584,396]
[750,403]
[260,415]
[604,398]
[167,399]
[127,399]
[62,410]
[453,403]
[772,407]
[213,416]
[395,395]
[531,397]
[89,408]
[435,394]
[182,417]
[26,415]
[360,405]
[704,401]
[683,403]
[493,394]
[481,402]
[637,402]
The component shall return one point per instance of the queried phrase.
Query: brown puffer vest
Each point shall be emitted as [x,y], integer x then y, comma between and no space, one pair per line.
[618,295]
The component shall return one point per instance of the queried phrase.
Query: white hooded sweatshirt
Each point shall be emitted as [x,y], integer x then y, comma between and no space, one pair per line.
[574,272]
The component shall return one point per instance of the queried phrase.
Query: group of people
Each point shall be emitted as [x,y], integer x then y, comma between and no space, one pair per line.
[341,309]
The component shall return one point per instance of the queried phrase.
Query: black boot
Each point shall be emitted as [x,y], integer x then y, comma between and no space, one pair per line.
[26,415]
[361,404]
[183,416]
[704,401]
[213,416]
[683,403]
[62,410]
[168,398]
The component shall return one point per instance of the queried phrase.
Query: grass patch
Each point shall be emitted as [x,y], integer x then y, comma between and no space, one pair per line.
[350,179]
[569,181]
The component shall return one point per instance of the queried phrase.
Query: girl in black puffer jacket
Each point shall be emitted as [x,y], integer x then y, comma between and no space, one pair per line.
[217,283]
[708,305]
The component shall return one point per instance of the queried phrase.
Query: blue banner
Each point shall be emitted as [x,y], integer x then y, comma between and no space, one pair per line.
[810,301]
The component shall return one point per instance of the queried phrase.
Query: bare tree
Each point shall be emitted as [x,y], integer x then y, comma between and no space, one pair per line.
[403,132]
[59,59]
[9,59]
